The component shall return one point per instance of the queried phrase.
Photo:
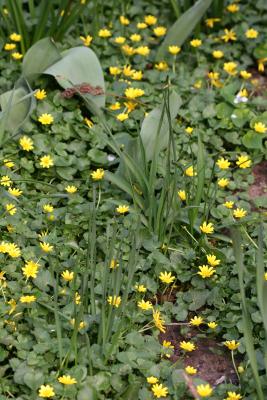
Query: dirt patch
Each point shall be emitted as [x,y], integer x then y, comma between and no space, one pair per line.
[259,187]
[212,361]
[259,83]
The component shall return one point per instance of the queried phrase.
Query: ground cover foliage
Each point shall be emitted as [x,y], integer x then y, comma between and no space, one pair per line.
[131,238]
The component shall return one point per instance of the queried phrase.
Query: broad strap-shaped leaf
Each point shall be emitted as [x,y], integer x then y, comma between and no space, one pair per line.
[183,27]
[150,134]
[39,57]
[80,65]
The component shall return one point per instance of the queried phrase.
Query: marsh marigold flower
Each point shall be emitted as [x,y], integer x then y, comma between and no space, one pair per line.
[196,43]
[71,189]
[166,277]
[243,162]
[86,40]
[223,182]
[160,31]
[141,25]
[245,74]
[15,37]
[159,390]
[231,344]
[104,33]
[212,260]
[122,209]
[119,39]
[229,35]
[210,21]
[11,208]
[223,163]
[239,213]
[13,250]
[8,163]
[114,70]
[207,227]
[232,8]
[5,181]
[212,324]
[46,161]
[46,119]
[187,346]
[46,391]
[140,288]
[132,93]
[152,379]
[190,370]
[204,390]
[196,321]
[40,94]
[15,192]
[218,54]
[48,208]
[229,204]
[145,305]
[233,396]
[98,174]
[16,55]
[158,321]
[122,117]
[251,34]
[9,46]
[67,275]
[26,143]
[189,130]
[124,20]
[142,50]
[260,127]
[205,271]
[230,68]
[135,37]
[167,345]
[30,269]
[67,380]
[190,171]
[161,66]
[182,195]
[114,301]
[174,50]
[27,299]
[150,20]
[46,247]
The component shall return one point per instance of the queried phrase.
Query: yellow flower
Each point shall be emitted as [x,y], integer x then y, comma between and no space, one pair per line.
[15,37]
[128,71]
[196,42]
[46,119]
[204,390]
[98,174]
[142,50]
[229,35]
[232,8]
[251,33]
[187,346]
[13,250]
[196,321]
[182,195]
[115,106]
[88,122]
[113,264]
[231,344]
[10,46]
[223,182]
[82,324]
[210,21]
[190,171]
[30,269]
[174,50]
[71,189]
[8,163]
[240,369]
[122,117]
[11,209]
[40,94]
[137,75]
[166,277]
[152,379]
[233,396]
[243,162]
[16,55]
[189,130]
[230,68]
[130,51]
[212,260]
[114,70]
[239,213]
[158,321]
[46,161]
[114,301]
[122,209]
[167,344]
[46,247]
[218,54]
[67,275]
[48,208]
[259,127]
[140,288]
[198,84]
[159,390]
[86,40]
[229,204]
[124,20]
[265,276]
[223,163]
[145,305]
[26,143]
[212,324]
[46,391]
[141,25]
[190,370]
[27,299]
[205,271]
[161,66]
[133,93]
[119,39]
[245,75]
[5,181]
[67,380]
[135,37]
[207,227]
[15,192]
[104,33]
[159,31]
[150,20]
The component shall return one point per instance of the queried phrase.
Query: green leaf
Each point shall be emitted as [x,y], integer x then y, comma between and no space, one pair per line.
[79,65]
[183,27]
[39,57]
[252,140]
[150,135]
